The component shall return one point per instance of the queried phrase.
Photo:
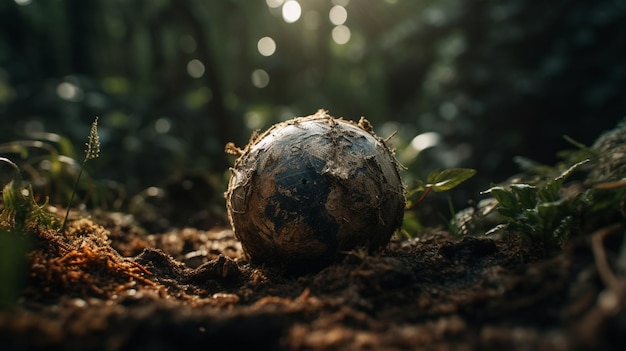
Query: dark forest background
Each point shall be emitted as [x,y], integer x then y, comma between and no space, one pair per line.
[469,83]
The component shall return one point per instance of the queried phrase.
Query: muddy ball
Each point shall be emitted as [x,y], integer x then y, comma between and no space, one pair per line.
[311,188]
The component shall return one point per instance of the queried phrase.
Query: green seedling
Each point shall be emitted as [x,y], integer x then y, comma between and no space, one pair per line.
[438,181]
[92,151]
[539,211]
[20,208]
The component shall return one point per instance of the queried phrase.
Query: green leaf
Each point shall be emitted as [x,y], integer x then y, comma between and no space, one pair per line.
[569,171]
[449,178]
[507,212]
[550,192]
[549,212]
[526,194]
[505,198]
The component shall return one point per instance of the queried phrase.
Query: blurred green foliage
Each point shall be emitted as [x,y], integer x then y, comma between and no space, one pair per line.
[480,81]
[12,266]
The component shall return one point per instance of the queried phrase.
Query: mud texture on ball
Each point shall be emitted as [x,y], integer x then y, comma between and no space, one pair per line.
[311,188]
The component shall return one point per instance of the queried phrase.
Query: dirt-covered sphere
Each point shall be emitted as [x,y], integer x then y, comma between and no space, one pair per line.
[311,188]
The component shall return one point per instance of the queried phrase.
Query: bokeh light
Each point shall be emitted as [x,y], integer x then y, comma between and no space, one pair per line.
[274,3]
[69,91]
[338,15]
[341,34]
[266,46]
[260,78]
[448,110]
[291,11]
[162,125]
[23,2]
[195,68]
[254,120]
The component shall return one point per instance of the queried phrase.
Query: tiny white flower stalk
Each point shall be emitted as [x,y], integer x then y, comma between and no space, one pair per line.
[93,143]
[92,151]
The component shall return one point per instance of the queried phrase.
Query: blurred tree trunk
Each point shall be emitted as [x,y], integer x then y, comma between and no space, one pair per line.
[81,35]
[227,125]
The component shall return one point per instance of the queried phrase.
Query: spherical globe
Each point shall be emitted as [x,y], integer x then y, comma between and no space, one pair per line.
[314,187]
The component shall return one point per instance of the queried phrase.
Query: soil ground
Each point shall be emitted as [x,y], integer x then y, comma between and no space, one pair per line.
[191,288]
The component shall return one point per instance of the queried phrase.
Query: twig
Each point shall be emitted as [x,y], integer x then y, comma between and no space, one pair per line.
[604,269]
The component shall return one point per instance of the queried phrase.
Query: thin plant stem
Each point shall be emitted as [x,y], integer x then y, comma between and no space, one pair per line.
[67,212]
[93,151]
[421,198]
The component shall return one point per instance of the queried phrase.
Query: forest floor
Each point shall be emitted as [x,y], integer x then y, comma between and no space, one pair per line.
[114,287]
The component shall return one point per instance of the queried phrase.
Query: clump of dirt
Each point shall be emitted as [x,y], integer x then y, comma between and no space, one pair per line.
[190,287]
[79,263]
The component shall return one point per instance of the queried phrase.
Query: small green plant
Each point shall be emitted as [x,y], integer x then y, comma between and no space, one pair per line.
[20,208]
[47,159]
[92,151]
[539,211]
[438,181]
[12,267]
